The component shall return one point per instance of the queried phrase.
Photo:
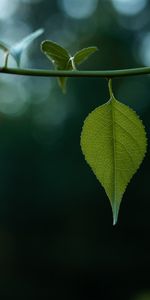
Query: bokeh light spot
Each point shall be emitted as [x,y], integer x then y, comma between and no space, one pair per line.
[13,98]
[79,9]
[31,1]
[144,52]
[129,7]
[7,8]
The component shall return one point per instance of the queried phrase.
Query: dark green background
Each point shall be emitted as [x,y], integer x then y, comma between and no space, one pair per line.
[56,235]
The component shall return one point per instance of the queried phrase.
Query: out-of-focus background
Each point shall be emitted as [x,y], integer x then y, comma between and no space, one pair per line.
[56,235]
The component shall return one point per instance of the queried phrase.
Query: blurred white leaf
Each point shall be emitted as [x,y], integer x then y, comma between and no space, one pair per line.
[17,50]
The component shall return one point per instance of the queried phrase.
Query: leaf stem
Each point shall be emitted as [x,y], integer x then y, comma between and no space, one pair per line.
[110,88]
[6,59]
[72,63]
[75,73]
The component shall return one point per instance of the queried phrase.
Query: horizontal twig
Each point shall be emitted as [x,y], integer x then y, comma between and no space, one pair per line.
[76,73]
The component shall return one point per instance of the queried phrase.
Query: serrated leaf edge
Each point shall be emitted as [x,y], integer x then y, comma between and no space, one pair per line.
[115,208]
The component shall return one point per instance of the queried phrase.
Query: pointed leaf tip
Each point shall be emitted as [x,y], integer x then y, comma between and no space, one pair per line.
[84,54]
[113,141]
[115,212]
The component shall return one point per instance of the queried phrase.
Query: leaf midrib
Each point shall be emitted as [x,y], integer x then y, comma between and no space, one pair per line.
[114,202]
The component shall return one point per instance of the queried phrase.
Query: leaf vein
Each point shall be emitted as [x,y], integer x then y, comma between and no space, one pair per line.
[134,140]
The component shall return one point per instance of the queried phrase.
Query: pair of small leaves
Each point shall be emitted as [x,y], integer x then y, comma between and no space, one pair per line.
[113,141]
[17,49]
[63,60]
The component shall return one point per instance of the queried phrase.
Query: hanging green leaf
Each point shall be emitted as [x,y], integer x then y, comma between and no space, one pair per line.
[84,54]
[63,60]
[113,140]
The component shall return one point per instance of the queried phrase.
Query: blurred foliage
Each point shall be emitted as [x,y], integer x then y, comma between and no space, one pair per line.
[56,232]
[143,296]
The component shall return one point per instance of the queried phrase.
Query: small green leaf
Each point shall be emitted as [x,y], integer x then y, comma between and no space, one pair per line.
[4,46]
[56,54]
[84,54]
[113,140]
[60,58]
[6,50]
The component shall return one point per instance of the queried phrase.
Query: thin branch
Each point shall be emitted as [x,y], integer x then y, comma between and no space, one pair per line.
[75,73]
[6,56]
